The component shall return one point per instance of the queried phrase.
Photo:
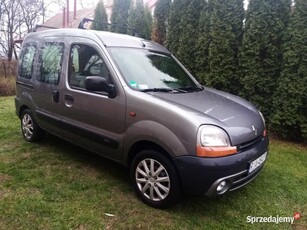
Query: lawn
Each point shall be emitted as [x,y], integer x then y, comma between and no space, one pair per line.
[56,185]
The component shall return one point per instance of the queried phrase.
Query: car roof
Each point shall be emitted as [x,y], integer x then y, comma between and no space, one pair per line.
[108,39]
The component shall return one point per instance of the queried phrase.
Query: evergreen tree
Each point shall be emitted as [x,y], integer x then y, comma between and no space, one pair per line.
[100,15]
[120,13]
[261,54]
[140,19]
[203,42]
[226,35]
[161,15]
[290,100]
[178,8]
[189,34]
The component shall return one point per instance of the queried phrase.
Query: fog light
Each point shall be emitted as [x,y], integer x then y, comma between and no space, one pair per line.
[222,187]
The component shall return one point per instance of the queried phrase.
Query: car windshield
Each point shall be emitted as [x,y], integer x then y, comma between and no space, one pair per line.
[146,70]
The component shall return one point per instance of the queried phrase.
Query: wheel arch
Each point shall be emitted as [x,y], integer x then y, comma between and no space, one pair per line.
[21,109]
[147,134]
[145,145]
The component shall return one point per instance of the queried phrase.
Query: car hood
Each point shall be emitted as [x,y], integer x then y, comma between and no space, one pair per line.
[239,118]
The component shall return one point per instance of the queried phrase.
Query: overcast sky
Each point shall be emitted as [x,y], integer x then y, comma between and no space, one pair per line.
[56,8]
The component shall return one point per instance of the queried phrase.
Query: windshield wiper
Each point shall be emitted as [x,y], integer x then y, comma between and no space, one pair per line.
[191,88]
[166,90]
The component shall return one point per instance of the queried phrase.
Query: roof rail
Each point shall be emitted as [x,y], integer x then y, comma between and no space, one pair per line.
[42,26]
[85,20]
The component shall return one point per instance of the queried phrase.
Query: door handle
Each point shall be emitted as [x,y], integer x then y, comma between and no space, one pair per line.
[55,96]
[68,97]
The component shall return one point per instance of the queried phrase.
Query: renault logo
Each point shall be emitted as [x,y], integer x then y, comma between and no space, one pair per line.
[254,130]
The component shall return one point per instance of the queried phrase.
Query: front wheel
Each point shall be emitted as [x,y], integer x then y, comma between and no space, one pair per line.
[30,129]
[155,179]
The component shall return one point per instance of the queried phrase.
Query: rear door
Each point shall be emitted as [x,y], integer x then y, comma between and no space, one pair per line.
[46,93]
[92,118]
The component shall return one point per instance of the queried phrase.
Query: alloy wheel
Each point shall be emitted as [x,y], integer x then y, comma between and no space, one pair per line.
[152,179]
[27,126]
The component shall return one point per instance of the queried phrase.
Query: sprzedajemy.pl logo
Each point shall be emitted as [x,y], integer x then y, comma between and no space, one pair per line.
[273,219]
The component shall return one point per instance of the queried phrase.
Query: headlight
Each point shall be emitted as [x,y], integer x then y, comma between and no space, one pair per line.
[213,142]
[212,136]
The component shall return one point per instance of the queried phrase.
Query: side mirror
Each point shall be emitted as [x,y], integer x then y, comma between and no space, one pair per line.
[96,83]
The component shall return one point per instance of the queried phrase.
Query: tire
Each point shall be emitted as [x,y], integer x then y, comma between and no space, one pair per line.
[30,129]
[155,179]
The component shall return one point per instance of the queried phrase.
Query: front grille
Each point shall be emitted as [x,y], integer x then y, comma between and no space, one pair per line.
[249,144]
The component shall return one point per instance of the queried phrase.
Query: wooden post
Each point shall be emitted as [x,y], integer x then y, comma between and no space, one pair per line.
[67,12]
[75,9]
[64,17]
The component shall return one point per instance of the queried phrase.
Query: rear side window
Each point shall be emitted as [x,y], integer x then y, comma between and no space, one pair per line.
[51,57]
[27,60]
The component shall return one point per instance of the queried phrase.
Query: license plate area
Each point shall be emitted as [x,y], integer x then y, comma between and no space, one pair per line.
[257,163]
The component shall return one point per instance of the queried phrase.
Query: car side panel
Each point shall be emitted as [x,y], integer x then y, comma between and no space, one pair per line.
[91,119]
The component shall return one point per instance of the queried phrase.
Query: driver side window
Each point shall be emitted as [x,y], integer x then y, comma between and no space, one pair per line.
[85,61]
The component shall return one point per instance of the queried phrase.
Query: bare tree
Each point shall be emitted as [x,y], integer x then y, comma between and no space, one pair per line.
[19,17]
[50,7]
[32,14]
[11,21]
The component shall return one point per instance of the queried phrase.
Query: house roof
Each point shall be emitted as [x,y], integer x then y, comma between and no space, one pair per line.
[57,20]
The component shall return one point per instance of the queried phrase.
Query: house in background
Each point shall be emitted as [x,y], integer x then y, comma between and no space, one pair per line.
[62,20]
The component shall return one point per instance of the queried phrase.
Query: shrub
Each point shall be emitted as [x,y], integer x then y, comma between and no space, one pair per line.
[7,68]
[290,99]
[7,77]
[7,86]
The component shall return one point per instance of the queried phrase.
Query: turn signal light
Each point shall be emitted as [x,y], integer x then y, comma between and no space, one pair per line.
[216,151]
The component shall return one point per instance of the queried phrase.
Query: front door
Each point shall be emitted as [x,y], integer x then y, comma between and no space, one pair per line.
[93,119]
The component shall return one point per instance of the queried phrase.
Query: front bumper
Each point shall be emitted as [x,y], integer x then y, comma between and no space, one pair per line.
[200,175]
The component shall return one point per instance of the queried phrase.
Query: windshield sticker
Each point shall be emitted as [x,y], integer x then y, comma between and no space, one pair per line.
[143,86]
[133,84]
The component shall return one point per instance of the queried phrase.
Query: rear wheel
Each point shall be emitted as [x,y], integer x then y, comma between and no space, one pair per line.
[155,179]
[30,129]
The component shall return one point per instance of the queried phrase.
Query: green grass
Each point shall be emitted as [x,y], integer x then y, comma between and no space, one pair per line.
[56,185]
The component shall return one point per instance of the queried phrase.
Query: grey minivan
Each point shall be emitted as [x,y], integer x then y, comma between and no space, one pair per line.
[131,100]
